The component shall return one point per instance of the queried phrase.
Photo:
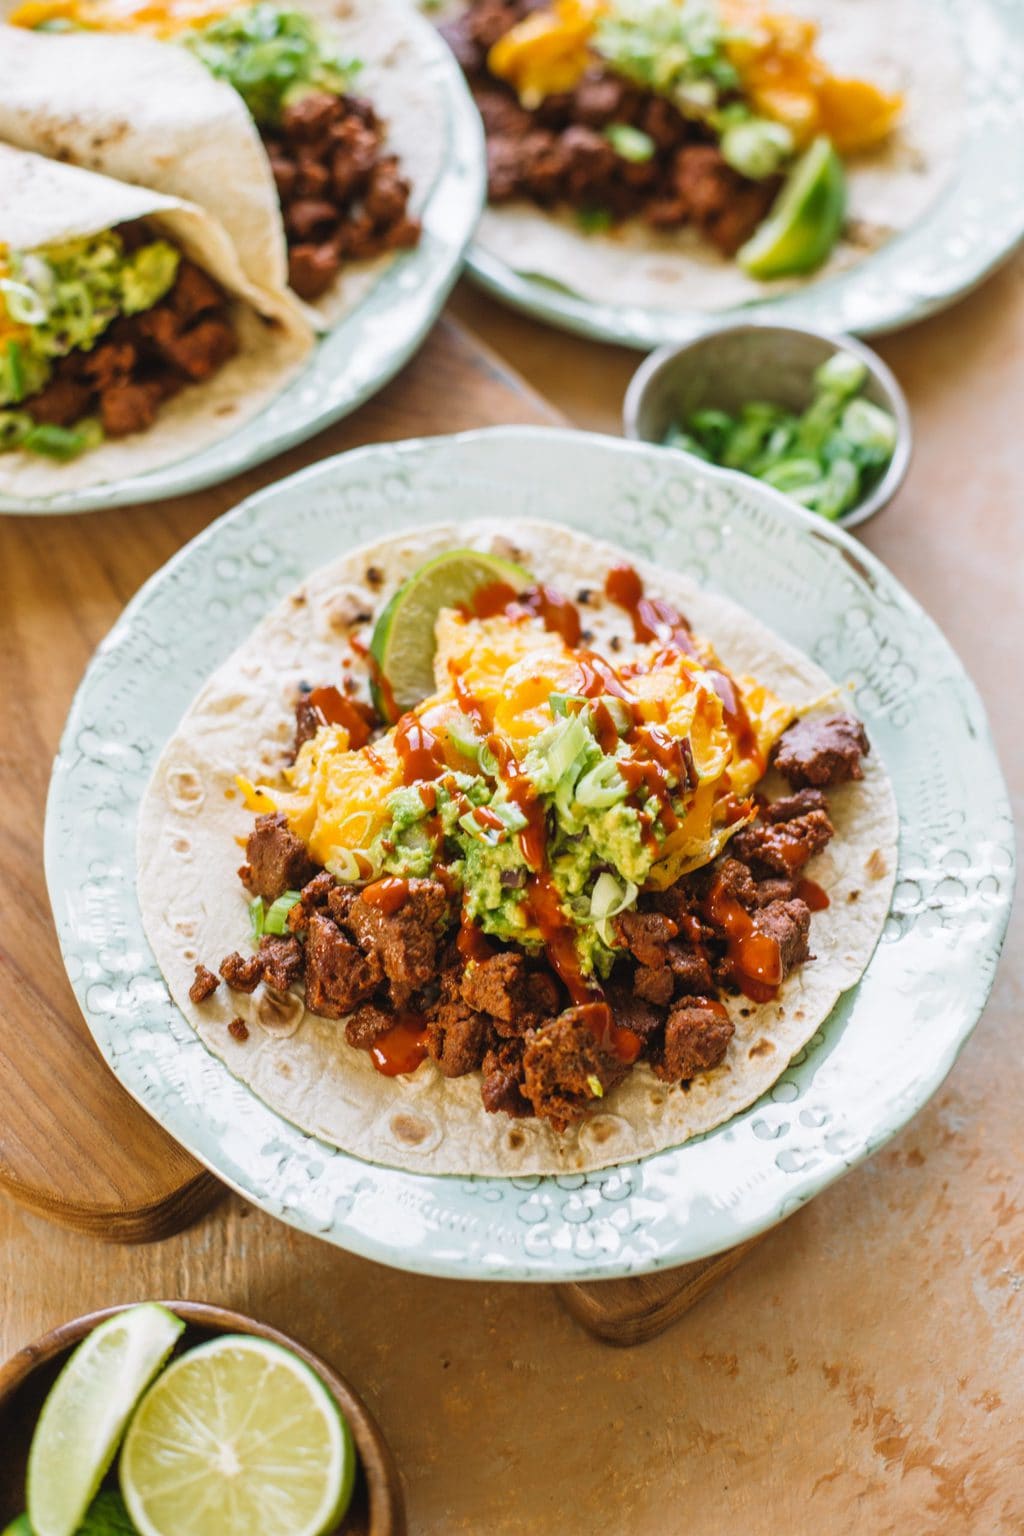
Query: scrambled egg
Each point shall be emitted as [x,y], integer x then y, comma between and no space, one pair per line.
[336,799]
[157,18]
[781,75]
[783,78]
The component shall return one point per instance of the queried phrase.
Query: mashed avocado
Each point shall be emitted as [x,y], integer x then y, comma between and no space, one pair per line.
[597,852]
[61,298]
[272,56]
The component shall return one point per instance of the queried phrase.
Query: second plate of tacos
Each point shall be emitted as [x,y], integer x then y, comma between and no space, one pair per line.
[129,334]
[655,163]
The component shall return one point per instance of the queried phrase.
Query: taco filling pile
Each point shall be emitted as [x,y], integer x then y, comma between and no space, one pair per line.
[97,333]
[717,115]
[558,865]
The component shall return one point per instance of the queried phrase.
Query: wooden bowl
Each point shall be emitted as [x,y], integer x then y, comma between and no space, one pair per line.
[378,1504]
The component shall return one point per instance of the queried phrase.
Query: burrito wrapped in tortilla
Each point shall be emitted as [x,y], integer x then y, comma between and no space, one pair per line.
[310,138]
[551,860]
[129,334]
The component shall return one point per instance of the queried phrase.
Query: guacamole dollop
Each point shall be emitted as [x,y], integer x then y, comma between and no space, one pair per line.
[61,298]
[272,56]
[598,852]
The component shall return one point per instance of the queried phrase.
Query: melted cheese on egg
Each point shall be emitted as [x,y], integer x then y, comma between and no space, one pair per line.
[504,669]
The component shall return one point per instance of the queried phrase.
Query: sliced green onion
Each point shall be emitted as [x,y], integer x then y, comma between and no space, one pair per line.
[602,786]
[14,428]
[482,834]
[607,900]
[562,703]
[345,866]
[619,711]
[842,374]
[839,489]
[630,143]
[487,761]
[687,444]
[594,1084]
[756,148]
[464,739]
[62,442]
[870,429]
[594,221]
[276,920]
[14,373]
[24,305]
[257,916]
[568,740]
[792,474]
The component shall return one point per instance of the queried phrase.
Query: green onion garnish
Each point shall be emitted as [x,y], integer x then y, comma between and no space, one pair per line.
[14,373]
[630,143]
[276,920]
[257,914]
[62,442]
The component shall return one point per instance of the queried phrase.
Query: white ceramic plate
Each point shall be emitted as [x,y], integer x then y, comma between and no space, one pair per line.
[882,1053]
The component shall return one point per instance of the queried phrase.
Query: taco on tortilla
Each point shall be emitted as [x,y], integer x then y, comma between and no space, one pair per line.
[308,138]
[582,899]
[129,335]
[688,152]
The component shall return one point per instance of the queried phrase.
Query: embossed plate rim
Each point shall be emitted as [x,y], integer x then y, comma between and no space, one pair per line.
[650,1214]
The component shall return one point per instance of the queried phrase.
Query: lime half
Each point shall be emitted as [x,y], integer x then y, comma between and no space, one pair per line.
[805,220]
[403,642]
[85,1414]
[237,1438]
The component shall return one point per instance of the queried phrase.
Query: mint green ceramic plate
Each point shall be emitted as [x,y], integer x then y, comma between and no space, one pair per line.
[876,1061]
[369,345]
[974,225]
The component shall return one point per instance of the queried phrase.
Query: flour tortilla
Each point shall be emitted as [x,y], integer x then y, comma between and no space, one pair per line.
[904,46]
[43,202]
[194,907]
[149,112]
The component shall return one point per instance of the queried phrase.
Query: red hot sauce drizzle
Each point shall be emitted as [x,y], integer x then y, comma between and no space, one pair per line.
[332,708]
[402,1049]
[554,610]
[753,956]
[419,751]
[388,895]
[809,892]
[653,618]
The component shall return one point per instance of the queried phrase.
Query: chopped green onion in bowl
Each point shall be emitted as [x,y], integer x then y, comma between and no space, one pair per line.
[829,457]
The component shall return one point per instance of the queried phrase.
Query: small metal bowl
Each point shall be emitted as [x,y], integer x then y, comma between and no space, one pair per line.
[726,368]
[378,1503]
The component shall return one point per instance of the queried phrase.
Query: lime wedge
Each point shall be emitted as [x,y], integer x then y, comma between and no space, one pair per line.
[403,637]
[805,220]
[237,1438]
[87,1409]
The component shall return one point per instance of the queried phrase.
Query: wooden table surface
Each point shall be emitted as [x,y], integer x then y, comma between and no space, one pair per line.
[863,1370]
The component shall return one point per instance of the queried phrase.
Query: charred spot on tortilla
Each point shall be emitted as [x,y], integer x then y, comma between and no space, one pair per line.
[876,866]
